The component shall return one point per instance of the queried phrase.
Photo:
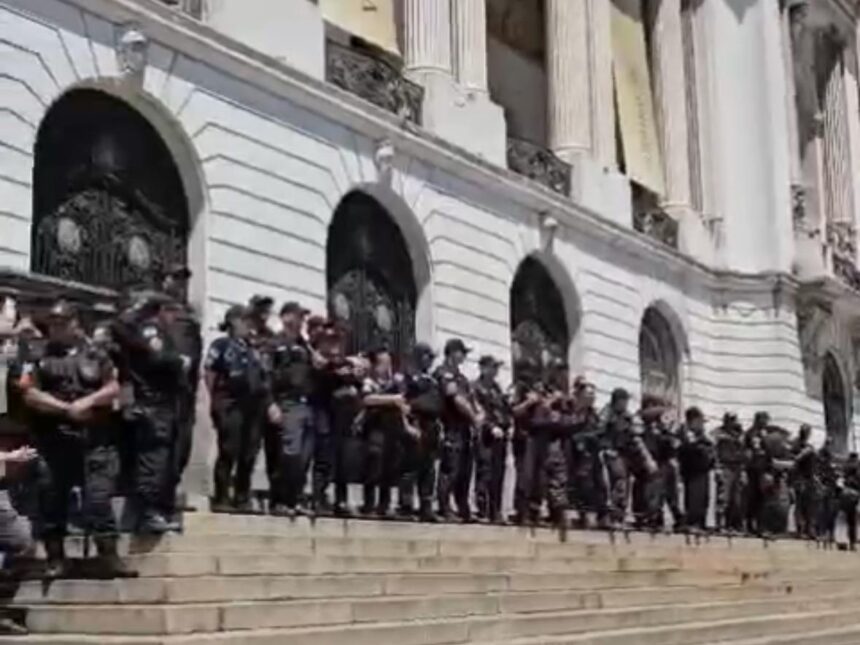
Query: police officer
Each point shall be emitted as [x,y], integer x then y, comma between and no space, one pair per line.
[696,457]
[460,418]
[260,311]
[492,441]
[421,453]
[290,415]
[616,443]
[756,464]
[731,475]
[237,391]
[804,484]
[850,496]
[188,340]
[72,389]
[550,426]
[586,478]
[524,397]
[385,430]
[156,374]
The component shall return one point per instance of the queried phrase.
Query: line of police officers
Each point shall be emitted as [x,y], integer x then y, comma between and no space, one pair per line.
[310,404]
[126,396]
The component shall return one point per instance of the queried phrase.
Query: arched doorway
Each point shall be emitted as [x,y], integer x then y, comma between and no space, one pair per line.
[835,405]
[109,204]
[539,326]
[659,358]
[371,285]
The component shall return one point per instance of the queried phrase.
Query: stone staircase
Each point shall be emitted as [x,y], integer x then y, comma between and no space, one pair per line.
[260,581]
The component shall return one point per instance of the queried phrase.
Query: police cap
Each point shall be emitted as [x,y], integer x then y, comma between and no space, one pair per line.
[259,301]
[234,313]
[456,345]
[423,349]
[489,361]
[62,310]
[293,307]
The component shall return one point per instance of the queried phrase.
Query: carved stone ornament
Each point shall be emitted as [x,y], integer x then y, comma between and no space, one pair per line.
[658,224]
[132,51]
[373,79]
[538,163]
[798,206]
[842,239]
[383,159]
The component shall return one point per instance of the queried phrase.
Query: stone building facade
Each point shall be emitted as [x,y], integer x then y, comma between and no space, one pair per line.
[663,192]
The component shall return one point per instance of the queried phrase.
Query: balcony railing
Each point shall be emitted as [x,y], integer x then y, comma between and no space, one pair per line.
[539,164]
[193,8]
[373,79]
[658,224]
[842,240]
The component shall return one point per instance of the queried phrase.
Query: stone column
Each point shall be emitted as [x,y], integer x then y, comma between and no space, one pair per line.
[602,95]
[671,98]
[427,35]
[470,44]
[568,86]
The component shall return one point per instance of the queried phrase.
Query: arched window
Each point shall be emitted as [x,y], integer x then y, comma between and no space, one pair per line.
[539,326]
[109,205]
[835,405]
[371,285]
[659,358]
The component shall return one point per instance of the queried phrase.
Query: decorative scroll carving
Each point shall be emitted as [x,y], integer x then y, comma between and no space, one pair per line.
[842,239]
[539,164]
[658,224]
[373,79]
[798,206]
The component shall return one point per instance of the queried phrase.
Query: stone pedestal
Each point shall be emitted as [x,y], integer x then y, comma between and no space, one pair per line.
[292,32]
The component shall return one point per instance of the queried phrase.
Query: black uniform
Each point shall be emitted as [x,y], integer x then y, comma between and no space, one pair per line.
[344,407]
[806,488]
[238,401]
[587,489]
[549,428]
[850,497]
[292,384]
[731,477]
[491,450]
[156,373]
[616,442]
[420,455]
[696,457]
[384,434]
[455,467]
[73,453]
[188,341]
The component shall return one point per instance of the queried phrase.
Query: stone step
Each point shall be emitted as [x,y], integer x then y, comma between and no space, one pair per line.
[234,564]
[849,635]
[451,632]
[485,615]
[206,523]
[270,587]
[694,558]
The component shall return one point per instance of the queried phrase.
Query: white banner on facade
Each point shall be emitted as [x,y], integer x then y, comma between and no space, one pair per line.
[371,20]
[637,121]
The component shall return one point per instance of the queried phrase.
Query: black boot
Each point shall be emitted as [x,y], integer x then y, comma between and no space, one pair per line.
[153,523]
[56,557]
[110,565]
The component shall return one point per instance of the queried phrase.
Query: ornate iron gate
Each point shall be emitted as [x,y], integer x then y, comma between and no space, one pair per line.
[659,359]
[110,208]
[538,321]
[371,287]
